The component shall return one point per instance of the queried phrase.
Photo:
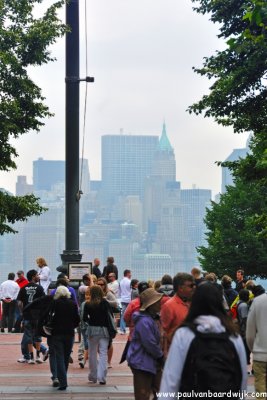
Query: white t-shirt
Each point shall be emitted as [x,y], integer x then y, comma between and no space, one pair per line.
[125,290]
[115,288]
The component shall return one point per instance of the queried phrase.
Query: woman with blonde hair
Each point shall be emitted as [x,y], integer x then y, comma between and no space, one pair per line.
[96,314]
[44,273]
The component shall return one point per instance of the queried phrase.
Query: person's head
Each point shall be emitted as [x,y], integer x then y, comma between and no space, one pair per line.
[111,277]
[94,279]
[127,273]
[211,277]
[208,300]
[134,283]
[63,276]
[143,285]
[249,285]
[103,285]
[20,273]
[244,295]
[32,275]
[157,285]
[11,276]
[240,275]
[110,260]
[258,290]
[226,281]
[150,301]
[196,272]
[150,283]
[96,295]
[166,280]
[96,262]
[61,282]
[184,285]
[40,261]
[86,279]
[62,292]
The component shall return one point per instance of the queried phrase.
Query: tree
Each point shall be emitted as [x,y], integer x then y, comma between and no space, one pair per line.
[237,226]
[235,232]
[24,42]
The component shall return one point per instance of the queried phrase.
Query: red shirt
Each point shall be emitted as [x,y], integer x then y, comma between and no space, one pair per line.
[22,282]
[172,314]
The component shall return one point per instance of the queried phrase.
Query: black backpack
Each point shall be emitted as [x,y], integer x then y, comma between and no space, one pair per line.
[212,364]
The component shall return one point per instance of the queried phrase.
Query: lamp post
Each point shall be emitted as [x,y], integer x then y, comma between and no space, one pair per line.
[72,80]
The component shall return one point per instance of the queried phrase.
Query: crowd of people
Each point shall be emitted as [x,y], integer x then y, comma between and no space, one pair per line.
[186,334]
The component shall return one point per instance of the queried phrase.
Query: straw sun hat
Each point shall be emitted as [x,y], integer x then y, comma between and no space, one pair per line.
[149,297]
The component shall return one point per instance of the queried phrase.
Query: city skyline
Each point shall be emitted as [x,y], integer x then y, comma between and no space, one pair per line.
[141,55]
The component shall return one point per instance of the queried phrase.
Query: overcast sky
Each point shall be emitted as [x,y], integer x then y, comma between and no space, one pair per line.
[141,53]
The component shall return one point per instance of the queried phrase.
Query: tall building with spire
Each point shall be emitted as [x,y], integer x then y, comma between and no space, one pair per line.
[163,172]
[164,164]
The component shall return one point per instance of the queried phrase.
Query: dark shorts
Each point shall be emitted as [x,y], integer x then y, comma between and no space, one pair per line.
[30,332]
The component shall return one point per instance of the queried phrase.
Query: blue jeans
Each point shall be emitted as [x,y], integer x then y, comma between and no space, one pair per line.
[122,322]
[25,349]
[62,345]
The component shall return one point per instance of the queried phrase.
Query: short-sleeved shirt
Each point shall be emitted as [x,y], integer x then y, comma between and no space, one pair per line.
[28,293]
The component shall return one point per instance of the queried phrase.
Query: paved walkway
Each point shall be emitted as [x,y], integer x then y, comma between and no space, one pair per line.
[24,381]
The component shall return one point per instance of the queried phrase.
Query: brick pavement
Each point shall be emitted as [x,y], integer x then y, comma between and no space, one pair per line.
[24,381]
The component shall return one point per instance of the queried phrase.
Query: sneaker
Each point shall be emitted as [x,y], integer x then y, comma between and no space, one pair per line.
[31,361]
[38,360]
[22,360]
[102,382]
[82,363]
[55,382]
[45,355]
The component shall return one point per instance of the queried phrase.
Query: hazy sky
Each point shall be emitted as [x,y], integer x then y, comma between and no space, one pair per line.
[141,53]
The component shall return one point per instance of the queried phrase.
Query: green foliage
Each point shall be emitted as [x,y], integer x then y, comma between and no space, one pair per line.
[237,232]
[24,42]
[238,96]
[237,226]
[17,208]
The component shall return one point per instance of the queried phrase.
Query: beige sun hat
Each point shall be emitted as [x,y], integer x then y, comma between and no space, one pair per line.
[149,297]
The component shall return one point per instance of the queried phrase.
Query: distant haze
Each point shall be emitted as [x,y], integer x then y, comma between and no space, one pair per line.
[141,54]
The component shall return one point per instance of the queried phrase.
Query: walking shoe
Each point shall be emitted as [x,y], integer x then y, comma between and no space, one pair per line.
[31,361]
[46,355]
[55,382]
[38,360]
[102,382]
[22,360]
[62,388]
[82,363]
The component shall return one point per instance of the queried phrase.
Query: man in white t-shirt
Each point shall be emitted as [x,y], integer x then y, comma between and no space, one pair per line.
[113,284]
[125,296]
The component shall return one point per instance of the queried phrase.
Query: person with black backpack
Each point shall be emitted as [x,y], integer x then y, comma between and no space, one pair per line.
[206,354]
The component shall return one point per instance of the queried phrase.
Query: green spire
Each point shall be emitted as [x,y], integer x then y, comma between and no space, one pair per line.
[164,143]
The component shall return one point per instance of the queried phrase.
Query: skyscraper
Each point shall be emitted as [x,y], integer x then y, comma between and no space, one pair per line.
[126,162]
[46,173]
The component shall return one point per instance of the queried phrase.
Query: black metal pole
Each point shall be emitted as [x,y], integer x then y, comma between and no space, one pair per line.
[72,252]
